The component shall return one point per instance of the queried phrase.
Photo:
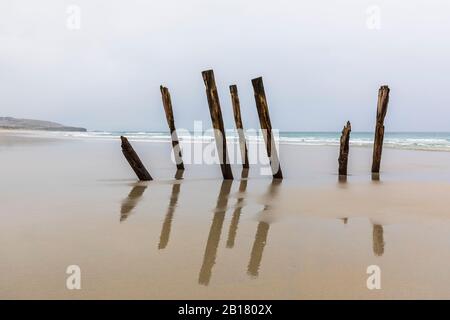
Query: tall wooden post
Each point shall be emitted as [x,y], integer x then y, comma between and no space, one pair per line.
[383,100]
[134,161]
[266,126]
[344,149]
[167,103]
[239,127]
[217,122]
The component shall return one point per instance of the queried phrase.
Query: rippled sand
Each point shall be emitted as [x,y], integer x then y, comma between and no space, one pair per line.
[76,202]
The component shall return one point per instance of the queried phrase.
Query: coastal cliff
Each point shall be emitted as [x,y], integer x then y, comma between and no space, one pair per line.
[28,124]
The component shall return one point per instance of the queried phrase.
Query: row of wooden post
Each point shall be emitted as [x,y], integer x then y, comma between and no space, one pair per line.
[266,126]
[219,130]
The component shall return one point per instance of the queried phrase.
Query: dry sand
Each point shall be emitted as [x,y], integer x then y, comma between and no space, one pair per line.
[76,202]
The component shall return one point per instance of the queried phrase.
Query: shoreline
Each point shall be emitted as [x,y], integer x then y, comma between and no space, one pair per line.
[163,137]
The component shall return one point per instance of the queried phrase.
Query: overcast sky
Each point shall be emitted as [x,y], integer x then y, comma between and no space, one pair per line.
[322,61]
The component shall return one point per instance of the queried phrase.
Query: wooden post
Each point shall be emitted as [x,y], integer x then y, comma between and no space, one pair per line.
[343,152]
[134,161]
[383,100]
[167,103]
[239,127]
[217,122]
[266,126]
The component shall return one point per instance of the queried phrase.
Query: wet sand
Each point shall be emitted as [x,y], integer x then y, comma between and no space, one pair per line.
[75,201]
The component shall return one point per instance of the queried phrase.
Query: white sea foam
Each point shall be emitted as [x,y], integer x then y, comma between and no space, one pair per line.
[413,141]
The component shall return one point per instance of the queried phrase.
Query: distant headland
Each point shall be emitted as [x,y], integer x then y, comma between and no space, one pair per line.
[28,124]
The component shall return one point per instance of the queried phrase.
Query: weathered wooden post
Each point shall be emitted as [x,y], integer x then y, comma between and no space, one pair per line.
[134,161]
[239,127]
[266,127]
[217,122]
[167,103]
[383,100]
[344,149]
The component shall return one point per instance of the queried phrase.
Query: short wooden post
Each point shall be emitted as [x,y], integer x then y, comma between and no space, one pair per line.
[167,103]
[344,149]
[239,127]
[134,161]
[266,126]
[217,122]
[383,100]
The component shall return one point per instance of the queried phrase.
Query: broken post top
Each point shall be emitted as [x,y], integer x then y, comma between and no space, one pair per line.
[125,143]
[213,100]
[208,79]
[167,104]
[348,126]
[260,97]
[164,91]
[383,100]
[258,84]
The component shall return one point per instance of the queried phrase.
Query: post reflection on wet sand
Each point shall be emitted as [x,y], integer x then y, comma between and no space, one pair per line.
[237,212]
[262,232]
[209,258]
[131,201]
[378,240]
[167,224]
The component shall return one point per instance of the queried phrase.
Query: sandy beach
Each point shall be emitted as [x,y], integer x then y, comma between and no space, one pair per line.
[75,201]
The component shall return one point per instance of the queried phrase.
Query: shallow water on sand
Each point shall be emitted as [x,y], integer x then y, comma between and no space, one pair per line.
[194,236]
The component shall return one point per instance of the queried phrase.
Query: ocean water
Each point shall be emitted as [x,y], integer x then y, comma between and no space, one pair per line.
[433,141]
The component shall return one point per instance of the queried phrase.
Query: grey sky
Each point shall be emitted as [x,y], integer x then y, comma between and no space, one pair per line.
[321,63]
